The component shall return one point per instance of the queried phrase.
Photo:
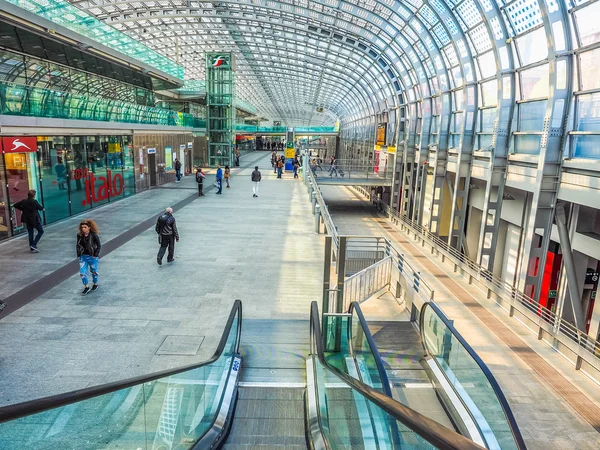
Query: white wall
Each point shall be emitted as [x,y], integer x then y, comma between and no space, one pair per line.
[510,256]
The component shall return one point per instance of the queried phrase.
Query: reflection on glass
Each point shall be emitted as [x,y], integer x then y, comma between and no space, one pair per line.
[590,67]
[533,46]
[78,176]
[531,115]
[4,204]
[21,176]
[588,24]
[53,164]
[535,82]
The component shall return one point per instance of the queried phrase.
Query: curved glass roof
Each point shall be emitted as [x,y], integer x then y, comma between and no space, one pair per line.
[359,58]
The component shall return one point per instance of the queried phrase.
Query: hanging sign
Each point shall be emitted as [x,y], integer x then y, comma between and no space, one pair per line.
[19,144]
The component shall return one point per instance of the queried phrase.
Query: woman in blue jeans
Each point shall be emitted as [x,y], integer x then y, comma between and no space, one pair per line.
[88,251]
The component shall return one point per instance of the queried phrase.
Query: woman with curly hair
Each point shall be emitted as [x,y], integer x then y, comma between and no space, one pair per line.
[88,250]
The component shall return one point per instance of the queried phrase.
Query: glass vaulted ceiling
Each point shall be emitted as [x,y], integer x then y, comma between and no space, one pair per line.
[358,58]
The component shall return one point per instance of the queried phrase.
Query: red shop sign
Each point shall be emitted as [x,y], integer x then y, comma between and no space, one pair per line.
[19,144]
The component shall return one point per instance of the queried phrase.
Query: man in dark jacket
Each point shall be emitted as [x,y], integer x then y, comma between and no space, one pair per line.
[178,169]
[167,235]
[31,218]
[256,176]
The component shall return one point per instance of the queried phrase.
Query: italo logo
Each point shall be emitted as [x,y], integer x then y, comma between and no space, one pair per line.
[17,144]
[98,188]
[23,144]
[219,61]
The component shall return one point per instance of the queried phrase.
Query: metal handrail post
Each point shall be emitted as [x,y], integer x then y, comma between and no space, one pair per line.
[318,219]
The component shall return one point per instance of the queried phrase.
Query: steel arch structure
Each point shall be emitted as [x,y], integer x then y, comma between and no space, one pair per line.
[506,82]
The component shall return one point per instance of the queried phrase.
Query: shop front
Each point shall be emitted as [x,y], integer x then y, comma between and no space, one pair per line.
[71,174]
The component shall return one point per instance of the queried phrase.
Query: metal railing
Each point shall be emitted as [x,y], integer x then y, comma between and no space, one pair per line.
[363,284]
[325,215]
[405,275]
[576,346]
[347,168]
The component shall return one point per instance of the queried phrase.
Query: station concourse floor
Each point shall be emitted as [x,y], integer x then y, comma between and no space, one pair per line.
[145,317]
[546,420]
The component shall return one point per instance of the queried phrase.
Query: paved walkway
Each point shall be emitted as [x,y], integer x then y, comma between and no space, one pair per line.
[546,420]
[147,317]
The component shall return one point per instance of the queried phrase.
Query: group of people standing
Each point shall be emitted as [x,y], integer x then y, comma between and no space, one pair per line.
[278,164]
[274,146]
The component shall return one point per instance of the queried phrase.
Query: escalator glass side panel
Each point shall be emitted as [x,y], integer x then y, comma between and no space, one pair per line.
[368,361]
[169,412]
[336,341]
[350,420]
[470,379]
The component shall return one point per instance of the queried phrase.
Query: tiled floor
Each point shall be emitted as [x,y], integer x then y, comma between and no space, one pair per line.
[147,317]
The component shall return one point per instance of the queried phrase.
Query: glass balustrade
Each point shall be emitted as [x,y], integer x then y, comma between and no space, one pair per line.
[467,377]
[21,100]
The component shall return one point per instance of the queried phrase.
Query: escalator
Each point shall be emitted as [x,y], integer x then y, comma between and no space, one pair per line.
[259,390]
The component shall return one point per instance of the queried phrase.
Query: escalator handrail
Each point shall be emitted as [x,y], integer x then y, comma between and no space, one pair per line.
[354,306]
[18,410]
[512,423]
[434,433]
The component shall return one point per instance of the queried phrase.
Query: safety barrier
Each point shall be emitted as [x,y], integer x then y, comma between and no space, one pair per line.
[363,254]
[577,347]
[363,284]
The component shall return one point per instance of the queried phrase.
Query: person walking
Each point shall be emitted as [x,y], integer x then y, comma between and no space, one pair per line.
[280,167]
[166,228]
[256,177]
[237,157]
[219,179]
[200,176]
[178,169]
[227,175]
[296,165]
[30,216]
[332,167]
[274,161]
[88,250]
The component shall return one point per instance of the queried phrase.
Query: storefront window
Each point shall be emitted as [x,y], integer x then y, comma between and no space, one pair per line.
[78,175]
[4,207]
[97,147]
[128,167]
[21,176]
[55,187]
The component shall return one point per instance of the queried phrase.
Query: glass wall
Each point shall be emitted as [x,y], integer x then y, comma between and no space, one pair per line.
[72,174]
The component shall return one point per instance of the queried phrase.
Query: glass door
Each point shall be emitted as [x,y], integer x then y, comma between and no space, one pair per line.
[21,176]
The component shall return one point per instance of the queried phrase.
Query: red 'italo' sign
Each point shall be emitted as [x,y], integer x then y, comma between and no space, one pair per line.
[99,188]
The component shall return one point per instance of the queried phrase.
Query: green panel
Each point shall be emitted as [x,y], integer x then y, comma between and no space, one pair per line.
[20,100]
[66,15]
[220,93]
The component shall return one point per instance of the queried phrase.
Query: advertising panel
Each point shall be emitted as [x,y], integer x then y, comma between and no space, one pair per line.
[381,130]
